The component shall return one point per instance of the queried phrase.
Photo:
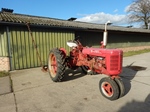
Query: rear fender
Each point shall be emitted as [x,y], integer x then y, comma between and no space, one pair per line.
[63,51]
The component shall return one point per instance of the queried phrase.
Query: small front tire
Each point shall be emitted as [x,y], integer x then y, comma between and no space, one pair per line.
[108,88]
[84,69]
[121,87]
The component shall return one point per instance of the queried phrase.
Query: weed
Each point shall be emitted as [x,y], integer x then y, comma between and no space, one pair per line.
[131,53]
[3,73]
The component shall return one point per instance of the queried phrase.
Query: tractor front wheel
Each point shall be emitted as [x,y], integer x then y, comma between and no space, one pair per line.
[108,88]
[84,69]
[121,87]
[56,65]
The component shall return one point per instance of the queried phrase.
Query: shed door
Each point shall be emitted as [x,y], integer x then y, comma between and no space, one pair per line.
[23,51]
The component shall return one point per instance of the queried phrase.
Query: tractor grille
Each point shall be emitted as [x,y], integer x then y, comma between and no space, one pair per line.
[114,63]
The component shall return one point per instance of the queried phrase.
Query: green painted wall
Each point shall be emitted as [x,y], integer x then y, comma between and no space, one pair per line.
[122,40]
[23,52]
[90,38]
[3,42]
[115,39]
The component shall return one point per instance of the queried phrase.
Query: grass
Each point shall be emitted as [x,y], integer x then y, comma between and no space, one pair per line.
[3,73]
[131,53]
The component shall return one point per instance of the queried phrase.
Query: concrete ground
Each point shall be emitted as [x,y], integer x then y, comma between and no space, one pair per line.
[34,91]
[5,85]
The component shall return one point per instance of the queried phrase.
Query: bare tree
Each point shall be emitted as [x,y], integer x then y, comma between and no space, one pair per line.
[139,11]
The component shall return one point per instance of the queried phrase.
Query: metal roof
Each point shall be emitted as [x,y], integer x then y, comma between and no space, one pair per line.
[11,18]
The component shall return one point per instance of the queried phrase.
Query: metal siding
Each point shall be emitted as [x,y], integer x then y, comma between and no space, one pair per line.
[121,40]
[115,39]
[3,42]
[90,38]
[23,51]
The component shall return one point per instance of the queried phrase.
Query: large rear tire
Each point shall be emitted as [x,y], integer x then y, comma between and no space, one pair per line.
[108,88]
[56,65]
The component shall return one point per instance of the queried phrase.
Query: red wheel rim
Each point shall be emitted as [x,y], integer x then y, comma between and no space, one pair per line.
[53,64]
[107,89]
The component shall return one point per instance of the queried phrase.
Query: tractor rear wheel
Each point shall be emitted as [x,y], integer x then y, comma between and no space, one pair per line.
[108,88]
[121,87]
[56,65]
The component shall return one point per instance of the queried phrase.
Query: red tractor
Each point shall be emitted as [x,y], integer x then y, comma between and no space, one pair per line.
[91,60]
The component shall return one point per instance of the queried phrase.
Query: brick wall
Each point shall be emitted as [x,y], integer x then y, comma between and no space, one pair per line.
[4,64]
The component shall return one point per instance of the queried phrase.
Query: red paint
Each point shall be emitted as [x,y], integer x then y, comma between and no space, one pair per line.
[100,60]
[108,89]
[54,64]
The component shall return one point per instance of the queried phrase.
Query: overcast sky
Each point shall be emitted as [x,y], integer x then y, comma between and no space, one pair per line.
[95,11]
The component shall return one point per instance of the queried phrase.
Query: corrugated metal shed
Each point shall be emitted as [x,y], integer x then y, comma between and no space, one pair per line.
[23,52]
[11,18]
[16,42]
[3,43]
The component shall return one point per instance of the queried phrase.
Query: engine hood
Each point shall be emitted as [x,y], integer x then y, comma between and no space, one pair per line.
[101,51]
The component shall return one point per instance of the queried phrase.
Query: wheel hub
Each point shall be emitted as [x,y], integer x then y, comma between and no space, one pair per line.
[107,89]
[53,64]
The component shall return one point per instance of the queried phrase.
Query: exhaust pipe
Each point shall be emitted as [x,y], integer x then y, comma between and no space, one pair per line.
[105,38]
[105,34]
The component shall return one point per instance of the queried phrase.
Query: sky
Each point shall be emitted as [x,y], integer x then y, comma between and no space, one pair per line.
[94,11]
